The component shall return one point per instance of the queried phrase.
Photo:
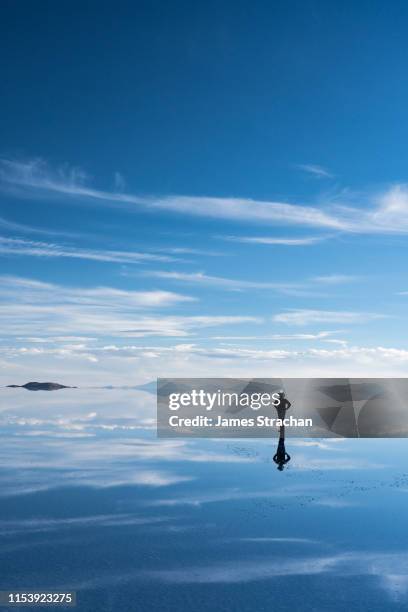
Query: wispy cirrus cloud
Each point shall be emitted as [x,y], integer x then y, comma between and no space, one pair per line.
[270,240]
[36,292]
[200,278]
[390,569]
[305,288]
[318,336]
[336,279]
[383,212]
[42,525]
[275,540]
[34,308]
[13,226]
[17,246]
[34,177]
[316,170]
[181,250]
[308,317]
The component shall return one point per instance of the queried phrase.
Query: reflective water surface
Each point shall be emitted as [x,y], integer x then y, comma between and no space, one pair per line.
[92,501]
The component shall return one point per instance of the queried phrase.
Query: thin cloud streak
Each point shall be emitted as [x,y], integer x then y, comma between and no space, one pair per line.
[317,336]
[378,564]
[12,226]
[36,292]
[336,279]
[269,240]
[17,246]
[316,170]
[305,288]
[230,284]
[386,212]
[308,317]
[34,308]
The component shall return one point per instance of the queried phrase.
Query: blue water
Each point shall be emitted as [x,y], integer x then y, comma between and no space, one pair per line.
[91,501]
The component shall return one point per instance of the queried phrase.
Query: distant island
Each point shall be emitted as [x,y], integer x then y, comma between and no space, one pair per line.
[41,386]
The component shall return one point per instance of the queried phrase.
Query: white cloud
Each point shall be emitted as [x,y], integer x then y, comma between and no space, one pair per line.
[239,571]
[55,339]
[304,288]
[328,502]
[307,241]
[35,177]
[14,246]
[232,352]
[336,279]
[287,540]
[41,525]
[363,354]
[317,336]
[390,569]
[392,206]
[230,284]
[316,170]
[194,354]
[308,317]
[240,209]
[36,292]
[28,229]
[181,250]
[33,308]
[156,478]
[386,212]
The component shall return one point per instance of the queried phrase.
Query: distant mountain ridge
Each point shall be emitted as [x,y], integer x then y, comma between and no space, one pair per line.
[41,386]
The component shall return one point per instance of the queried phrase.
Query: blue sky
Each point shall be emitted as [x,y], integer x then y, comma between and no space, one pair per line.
[203,188]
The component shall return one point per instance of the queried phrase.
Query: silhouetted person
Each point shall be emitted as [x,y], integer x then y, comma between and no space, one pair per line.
[284,405]
[281,457]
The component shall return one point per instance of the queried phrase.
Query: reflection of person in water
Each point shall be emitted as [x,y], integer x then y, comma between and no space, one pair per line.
[281,457]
